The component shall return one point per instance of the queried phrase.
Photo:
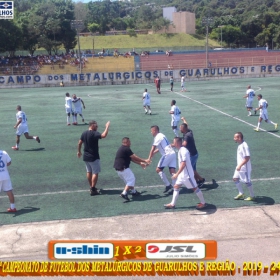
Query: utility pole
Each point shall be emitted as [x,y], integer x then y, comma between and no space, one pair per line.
[207,21]
[78,26]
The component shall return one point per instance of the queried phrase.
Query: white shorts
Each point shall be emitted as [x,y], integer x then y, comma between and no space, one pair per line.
[68,110]
[6,185]
[168,160]
[190,183]
[146,104]
[243,176]
[21,129]
[127,176]
[182,85]
[174,123]
[78,111]
[264,115]
[249,103]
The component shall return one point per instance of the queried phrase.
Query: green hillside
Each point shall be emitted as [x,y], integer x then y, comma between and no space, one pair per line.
[148,42]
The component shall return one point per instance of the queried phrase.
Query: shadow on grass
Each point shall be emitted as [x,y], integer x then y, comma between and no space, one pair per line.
[23,211]
[264,200]
[34,150]
[209,187]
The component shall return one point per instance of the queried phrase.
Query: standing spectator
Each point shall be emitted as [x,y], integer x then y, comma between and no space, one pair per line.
[77,101]
[157,83]
[171,81]
[184,176]
[147,102]
[68,108]
[168,156]
[122,161]
[266,47]
[183,83]
[91,157]
[250,93]
[189,143]
[175,116]
[5,181]
[243,169]
[22,128]
[263,113]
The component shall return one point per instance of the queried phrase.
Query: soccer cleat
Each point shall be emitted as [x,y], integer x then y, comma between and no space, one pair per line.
[200,183]
[169,206]
[94,191]
[250,198]
[124,196]
[38,139]
[200,206]
[276,125]
[12,210]
[167,188]
[136,193]
[69,124]
[256,129]
[239,197]
[15,148]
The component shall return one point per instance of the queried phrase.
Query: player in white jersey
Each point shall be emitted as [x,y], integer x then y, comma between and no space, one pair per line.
[243,169]
[175,117]
[250,93]
[184,176]
[22,128]
[147,102]
[5,181]
[263,113]
[77,102]
[183,83]
[68,108]
[168,156]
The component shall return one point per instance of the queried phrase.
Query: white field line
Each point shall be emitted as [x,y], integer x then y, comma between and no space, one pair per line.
[223,113]
[120,189]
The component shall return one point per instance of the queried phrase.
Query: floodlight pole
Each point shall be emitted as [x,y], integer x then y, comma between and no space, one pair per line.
[207,21]
[78,26]
[221,26]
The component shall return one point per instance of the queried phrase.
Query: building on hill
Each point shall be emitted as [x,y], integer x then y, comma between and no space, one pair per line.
[182,22]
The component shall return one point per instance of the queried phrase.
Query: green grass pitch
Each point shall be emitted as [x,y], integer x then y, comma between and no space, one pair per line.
[49,180]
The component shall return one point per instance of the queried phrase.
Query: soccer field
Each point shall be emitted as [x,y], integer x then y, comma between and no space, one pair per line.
[49,180]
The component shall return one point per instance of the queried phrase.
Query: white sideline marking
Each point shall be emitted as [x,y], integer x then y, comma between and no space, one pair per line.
[110,189]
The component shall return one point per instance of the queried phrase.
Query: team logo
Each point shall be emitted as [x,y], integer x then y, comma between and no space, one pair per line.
[6,9]
[77,250]
[175,251]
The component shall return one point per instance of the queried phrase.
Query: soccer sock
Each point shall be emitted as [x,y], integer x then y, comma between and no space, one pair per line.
[163,178]
[73,117]
[175,132]
[239,186]
[17,145]
[258,125]
[250,188]
[271,122]
[175,196]
[34,137]
[68,119]
[250,113]
[199,194]
[82,116]
[124,192]
[12,205]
